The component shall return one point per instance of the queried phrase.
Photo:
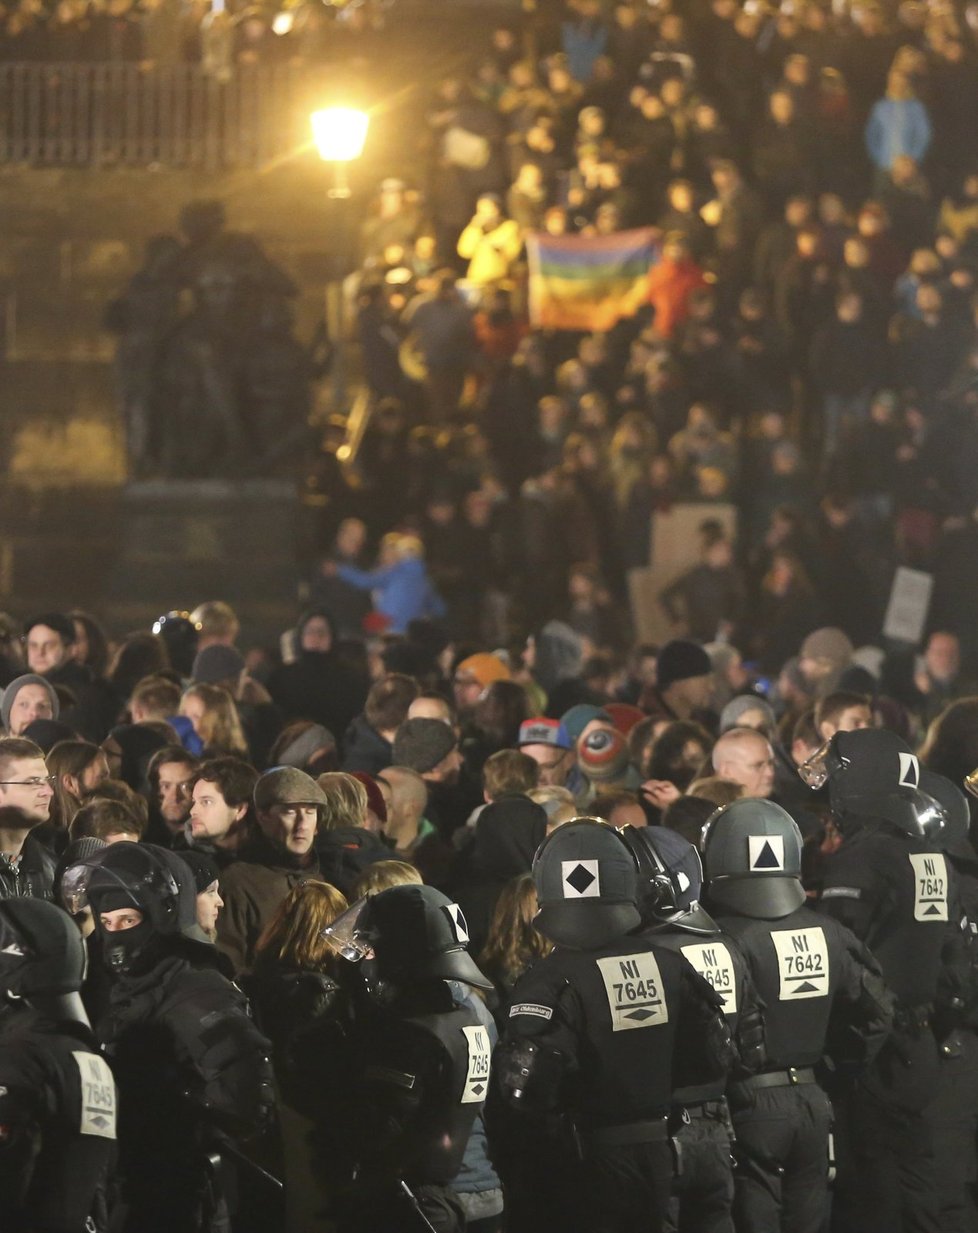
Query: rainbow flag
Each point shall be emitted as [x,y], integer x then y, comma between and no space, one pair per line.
[588,282]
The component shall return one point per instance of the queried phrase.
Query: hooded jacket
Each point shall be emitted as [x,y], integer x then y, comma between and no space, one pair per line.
[507,835]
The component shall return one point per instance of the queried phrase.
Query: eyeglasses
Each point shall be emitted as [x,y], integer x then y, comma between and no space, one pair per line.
[39,781]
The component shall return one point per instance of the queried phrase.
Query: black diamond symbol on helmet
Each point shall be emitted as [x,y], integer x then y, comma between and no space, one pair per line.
[478,1089]
[579,878]
[640,1014]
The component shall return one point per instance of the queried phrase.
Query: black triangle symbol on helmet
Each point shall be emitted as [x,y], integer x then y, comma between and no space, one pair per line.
[807,987]
[933,910]
[767,859]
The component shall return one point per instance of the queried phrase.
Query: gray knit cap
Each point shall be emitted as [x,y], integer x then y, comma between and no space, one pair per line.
[305,745]
[421,744]
[14,688]
[738,707]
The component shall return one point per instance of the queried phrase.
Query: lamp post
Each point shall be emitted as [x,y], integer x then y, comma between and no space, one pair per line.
[339,134]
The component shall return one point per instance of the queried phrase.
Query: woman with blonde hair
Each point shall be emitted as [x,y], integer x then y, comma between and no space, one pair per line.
[346,845]
[291,987]
[513,945]
[216,721]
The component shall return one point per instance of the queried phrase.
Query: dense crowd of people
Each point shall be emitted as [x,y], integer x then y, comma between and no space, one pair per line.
[208,813]
[806,353]
[397,924]
[162,34]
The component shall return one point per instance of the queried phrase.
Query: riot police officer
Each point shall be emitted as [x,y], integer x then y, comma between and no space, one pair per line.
[192,1068]
[953,1112]
[670,881]
[822,992]
[597,1035]
[394,1085]
[894,887]
[57,1094]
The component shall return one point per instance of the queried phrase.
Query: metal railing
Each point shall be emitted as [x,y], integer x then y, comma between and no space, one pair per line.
[83,115]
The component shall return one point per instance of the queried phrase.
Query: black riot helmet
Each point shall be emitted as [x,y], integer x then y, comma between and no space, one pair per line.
[180,634]
[874,775]
[752,852]
[42,957]
[587,885]
[670,878]
[410,934]
[155,882]
[954,838]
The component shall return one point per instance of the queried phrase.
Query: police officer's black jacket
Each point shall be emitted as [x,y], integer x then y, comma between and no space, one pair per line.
[720,963]
[191,1065]
[393,1090]
[898,895]
[630,1021]
[57,1124]
[821,988]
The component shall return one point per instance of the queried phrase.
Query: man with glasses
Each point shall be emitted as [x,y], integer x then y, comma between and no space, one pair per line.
[26,789]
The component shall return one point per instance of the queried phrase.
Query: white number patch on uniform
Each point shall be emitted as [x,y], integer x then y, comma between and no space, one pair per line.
[634,989]
[930,886]
[712,961]
[477,1078]
[97,1095]
[803,962]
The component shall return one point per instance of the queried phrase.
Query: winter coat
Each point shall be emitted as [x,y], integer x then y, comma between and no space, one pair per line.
[252,889]
[402,592]
[897,126]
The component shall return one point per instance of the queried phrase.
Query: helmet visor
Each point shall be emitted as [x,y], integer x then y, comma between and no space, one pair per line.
[819,768]
[343,934]
[74,887]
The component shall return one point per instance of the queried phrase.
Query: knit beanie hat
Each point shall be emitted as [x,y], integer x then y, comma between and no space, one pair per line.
[830,644]
[305,745]
[46,733]
[203,867]
[681,660]
[578,717]
[16,685]
[624,716]
[734,711]
[421,744]
[484,668]
[603,755]
[217,663]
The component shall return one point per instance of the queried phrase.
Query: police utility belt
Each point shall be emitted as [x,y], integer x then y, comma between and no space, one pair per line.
[654,1130]
[793,1076]
[716,1110]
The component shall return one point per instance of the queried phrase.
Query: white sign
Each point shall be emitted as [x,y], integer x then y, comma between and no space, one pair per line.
[477,1077]
[97,1095]
[713,962]
[930,886]
[906,613]
[803,962]
[634,989]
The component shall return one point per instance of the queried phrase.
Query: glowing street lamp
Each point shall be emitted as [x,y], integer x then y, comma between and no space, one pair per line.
[339,134]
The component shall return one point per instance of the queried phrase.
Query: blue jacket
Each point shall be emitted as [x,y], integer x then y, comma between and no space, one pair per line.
[897,126]
[402,591]
[476,1173]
